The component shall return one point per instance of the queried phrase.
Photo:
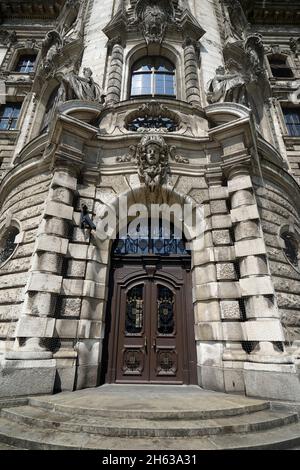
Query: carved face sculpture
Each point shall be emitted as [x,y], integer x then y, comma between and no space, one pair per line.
[87,73]
[153,19]
[152,154]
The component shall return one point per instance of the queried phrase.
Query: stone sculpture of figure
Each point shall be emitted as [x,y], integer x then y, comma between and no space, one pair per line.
[254,49]
[51,46]
[152,156]
[82,88]
[227,85]
[236,23]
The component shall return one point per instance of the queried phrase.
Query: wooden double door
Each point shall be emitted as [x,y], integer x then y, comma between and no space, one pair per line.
[151,333]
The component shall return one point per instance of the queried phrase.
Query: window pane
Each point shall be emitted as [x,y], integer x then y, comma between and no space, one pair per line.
[26,63]
[164,84]
[141,84]
[9,114]
[292,120]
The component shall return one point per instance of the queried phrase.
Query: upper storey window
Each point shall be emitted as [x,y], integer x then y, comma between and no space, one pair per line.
[280,67]
[292,121]
[153,76]
[26,63]
[9,114]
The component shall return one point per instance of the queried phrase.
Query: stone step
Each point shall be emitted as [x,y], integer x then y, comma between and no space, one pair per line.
[143,410]
[114,427]
[28,437]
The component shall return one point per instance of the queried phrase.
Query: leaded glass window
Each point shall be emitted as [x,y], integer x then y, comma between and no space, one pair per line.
[152,76]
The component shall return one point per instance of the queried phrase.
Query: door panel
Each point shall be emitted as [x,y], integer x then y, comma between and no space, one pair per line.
[132,351]
[165,335]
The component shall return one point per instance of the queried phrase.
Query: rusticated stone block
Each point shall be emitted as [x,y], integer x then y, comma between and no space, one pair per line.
[70,307]
[247,230]
[221,237]
[256,286]
[61,178]
[243,197]
[242,214]
[253,265]
[44,282]
[226,271]
[244,182]
[35,327]
[57,209]
[51,243]
[230,310]
[218,207]
[249,247]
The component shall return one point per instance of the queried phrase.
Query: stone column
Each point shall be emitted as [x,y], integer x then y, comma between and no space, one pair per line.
[115,73]
[37,324]
[191,72]
[262,328]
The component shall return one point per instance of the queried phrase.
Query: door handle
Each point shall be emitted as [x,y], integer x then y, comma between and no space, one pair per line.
[154,345]
[145,343]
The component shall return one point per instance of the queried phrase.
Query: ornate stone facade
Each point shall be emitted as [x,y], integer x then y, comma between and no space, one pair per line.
[214,129]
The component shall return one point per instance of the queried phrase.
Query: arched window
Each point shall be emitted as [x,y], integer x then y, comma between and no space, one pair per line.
[291,248]
[279,66]
[153,76]
[7,243]
[49,110]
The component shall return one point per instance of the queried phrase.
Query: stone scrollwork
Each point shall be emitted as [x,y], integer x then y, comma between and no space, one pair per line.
[128,157]
[154,16]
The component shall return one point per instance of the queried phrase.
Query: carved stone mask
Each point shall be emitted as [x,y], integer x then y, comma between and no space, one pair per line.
[153,154]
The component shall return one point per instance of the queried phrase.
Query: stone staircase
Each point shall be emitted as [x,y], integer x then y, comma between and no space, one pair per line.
[148,418]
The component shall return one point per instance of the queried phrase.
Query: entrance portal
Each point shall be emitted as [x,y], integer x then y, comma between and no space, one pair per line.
[150,313]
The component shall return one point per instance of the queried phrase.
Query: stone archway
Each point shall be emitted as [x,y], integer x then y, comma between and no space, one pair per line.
[152,274]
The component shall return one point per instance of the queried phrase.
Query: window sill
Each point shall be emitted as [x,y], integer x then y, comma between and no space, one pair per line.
[10,135]
[291,139]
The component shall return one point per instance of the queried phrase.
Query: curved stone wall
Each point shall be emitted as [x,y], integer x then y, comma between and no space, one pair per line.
[24,205]
[277,210]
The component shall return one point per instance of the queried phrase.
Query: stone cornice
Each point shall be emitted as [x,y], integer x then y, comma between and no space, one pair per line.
[272,12]
[39,9]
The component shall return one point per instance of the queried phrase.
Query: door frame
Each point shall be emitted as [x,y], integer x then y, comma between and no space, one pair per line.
[150,267]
